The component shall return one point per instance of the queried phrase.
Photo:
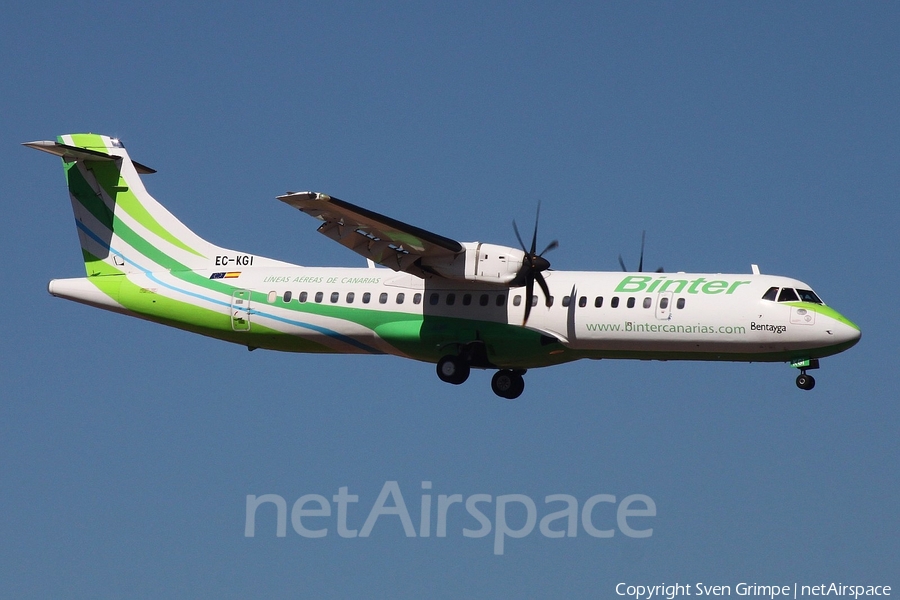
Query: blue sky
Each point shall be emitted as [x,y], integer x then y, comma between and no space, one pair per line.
[732,133]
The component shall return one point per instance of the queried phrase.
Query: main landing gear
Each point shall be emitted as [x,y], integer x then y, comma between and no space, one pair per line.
[506,383]
[453,369]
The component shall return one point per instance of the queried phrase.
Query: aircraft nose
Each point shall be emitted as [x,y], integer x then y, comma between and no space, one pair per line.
[846,331]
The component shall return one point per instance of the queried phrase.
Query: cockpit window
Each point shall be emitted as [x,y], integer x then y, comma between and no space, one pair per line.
[809,296]
[771,294]
[788,295]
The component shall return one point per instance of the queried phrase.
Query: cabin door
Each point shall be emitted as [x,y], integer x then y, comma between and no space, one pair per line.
[240,310]
[664,306]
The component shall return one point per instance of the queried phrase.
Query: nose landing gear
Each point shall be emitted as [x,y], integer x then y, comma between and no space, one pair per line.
[804,381]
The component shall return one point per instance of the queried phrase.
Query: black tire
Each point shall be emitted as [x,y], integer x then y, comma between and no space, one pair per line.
[453,369]
[507,384]
[805,382]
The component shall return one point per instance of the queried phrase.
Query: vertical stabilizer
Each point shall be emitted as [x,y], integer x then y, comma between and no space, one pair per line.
[121,227]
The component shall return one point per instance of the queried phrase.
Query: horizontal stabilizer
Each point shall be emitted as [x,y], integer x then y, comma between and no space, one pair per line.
[73,153]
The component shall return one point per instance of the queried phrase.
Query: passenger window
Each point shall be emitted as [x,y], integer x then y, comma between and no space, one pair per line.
[287,296]
[664,303]
[451,299]
[350,297]
[366,297]
[598,301]
[788,295]
[433,299]
[382,298]
[582,302]
[401,297]
[467,299]
[809,296]
[614,302]
[501,299]
[302,297]
[549,301]
[534,300]
[566,301]
[483,300]
[648,302]
[272,297]
[680,303]
[631,302]
[771,294]
[517,300]
[335,296]
[319,296]
[417,298]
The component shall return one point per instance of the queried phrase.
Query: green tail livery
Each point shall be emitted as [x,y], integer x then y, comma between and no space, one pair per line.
[459,305]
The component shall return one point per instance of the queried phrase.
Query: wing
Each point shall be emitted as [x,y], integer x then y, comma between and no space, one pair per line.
[382,239]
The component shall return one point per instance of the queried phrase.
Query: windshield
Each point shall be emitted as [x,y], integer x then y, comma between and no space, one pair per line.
[791,295]
[809,296]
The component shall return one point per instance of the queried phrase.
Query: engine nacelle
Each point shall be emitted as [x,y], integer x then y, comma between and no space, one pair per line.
[484,263]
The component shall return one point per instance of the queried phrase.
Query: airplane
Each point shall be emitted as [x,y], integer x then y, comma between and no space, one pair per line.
[458,305]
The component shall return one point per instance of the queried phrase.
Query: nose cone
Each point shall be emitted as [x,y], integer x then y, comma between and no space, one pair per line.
[846,332]
[851,333]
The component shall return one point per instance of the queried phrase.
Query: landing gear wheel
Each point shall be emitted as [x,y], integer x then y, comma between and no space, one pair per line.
[453,369]
[507,384]
[805,382]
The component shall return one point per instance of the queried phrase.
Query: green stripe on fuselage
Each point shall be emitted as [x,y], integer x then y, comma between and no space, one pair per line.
[826,311]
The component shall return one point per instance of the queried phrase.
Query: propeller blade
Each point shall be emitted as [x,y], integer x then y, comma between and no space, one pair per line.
[537,216]
[529,291]
[519,237]
[551,246]
[641,262]
[543,284]
[622,263]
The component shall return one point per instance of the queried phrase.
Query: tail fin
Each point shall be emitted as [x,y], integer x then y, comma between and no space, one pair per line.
[121,227]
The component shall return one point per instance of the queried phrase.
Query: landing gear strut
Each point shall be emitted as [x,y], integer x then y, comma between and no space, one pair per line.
[453,369]
[508,384]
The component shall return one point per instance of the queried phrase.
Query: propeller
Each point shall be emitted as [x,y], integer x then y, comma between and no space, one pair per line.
[532,265]
[641,261]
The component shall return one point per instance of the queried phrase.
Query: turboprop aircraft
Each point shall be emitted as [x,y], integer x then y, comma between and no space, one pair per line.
[459,305]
